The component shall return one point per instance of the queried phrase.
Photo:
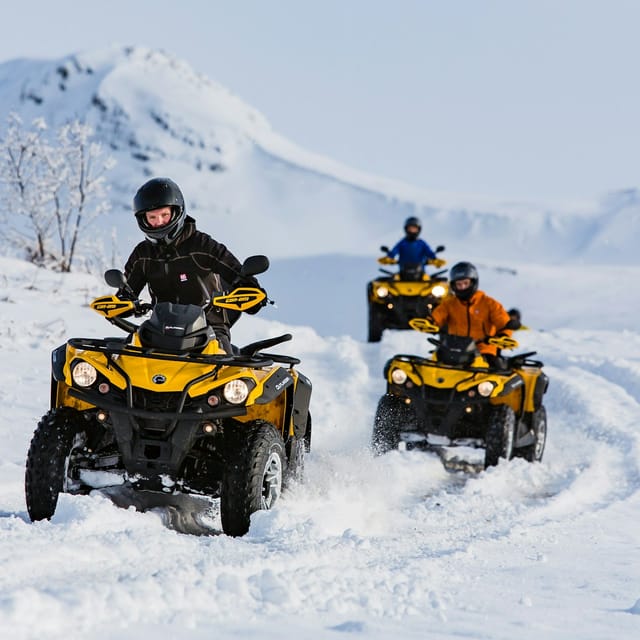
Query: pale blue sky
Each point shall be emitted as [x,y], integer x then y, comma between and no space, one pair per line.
[531,99]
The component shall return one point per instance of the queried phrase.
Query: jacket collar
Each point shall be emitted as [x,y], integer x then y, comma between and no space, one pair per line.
[187,230]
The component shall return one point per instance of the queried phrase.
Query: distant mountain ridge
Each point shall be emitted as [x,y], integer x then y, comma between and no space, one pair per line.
[258,192]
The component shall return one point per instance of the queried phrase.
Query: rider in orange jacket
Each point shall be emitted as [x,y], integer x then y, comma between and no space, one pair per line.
[470,312]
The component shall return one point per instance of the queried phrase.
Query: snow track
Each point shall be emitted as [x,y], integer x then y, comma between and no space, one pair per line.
[394,546]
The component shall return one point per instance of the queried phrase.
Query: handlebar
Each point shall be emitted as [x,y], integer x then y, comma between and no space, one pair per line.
[116,309]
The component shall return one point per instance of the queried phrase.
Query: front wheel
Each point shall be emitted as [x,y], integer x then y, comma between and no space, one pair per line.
[254,479]
[51,469]
[500,435]
[391,416]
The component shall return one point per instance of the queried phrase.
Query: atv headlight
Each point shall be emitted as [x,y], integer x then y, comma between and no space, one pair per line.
[382,292]
[84,374]
[438,291]
[485,388]
[399,376]
[236,391]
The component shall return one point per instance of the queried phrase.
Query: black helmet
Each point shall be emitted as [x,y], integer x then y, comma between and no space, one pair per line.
[155,194]
[412,221]
[460,271]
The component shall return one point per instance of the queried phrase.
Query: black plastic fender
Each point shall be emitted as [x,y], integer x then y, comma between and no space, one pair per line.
[58,358]
[542,384]
[511,385]
[275,385]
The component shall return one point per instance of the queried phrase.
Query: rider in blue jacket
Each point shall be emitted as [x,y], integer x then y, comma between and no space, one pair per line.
[413,252]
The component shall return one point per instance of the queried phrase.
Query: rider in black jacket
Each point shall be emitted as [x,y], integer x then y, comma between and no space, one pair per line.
[177,262]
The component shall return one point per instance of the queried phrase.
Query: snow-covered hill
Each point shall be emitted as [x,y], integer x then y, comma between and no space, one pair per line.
[257,192]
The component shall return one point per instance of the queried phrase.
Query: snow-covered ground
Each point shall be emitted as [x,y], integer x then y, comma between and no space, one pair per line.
[390,547]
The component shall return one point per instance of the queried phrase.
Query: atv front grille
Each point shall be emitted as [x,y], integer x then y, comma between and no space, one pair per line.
[447,412]
[439,396]
[154,401]
[160,403]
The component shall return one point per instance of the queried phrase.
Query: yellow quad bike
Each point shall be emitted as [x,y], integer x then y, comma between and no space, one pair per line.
[454,399]
[166,412]
[395,298]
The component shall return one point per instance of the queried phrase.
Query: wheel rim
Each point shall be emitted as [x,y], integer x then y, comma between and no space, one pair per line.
[69,483]
[541,436]
[271,481]
[508,439]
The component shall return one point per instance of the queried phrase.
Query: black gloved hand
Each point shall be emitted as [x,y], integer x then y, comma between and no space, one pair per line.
[246,281]
[125,294]
[142,308]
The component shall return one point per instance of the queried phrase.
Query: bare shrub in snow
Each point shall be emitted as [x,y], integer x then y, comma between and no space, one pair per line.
[52,185]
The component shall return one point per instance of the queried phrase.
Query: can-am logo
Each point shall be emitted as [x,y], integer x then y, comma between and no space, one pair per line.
[159,379]
[282,383]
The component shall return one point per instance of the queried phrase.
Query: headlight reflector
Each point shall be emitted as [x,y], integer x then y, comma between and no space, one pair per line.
[399,376]
[236,391]
[438,291]
[84,374]
[382,292]
[485,388]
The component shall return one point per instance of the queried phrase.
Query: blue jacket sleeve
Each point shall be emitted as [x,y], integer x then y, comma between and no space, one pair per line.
[396,250]
[428,252]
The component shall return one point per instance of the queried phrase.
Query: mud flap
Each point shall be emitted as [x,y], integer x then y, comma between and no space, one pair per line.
[301,399]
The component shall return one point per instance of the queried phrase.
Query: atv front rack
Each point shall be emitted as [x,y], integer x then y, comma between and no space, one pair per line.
[114,346]
[513,362]
[427,362]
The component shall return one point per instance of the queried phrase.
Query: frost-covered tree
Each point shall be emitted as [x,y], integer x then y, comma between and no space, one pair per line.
[26,189]
[53,186]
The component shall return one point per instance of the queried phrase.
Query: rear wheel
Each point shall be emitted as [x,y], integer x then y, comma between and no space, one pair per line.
[254,479]
[51,461]
[391,416]
[500,435]
[533,452]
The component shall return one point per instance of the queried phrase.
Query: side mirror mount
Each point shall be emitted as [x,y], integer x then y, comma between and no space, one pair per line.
[115,278]
[384,248]
[254,265]
[439,248]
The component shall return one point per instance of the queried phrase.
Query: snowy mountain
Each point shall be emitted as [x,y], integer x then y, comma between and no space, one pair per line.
[372,548]
[257,192]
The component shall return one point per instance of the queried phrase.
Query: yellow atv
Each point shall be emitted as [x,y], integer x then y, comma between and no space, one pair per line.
[454,398]
[165,412]
[397,297]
